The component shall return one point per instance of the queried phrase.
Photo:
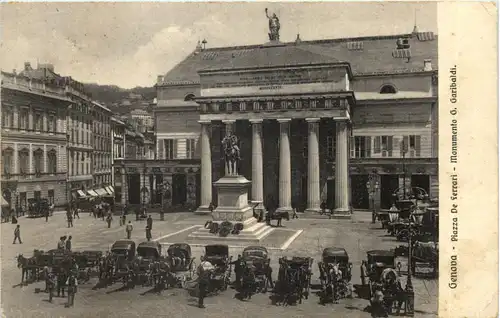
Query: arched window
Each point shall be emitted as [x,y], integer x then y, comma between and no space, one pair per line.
[388,89]
[189,98]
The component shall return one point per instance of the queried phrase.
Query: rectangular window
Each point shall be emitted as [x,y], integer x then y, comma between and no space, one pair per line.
[38,122]
[7,161]
[331,147]
[23,162]
[52,165]
[190,148]
[7,117]
[383,145]
[52,123]
[411,146]
[38,162]
[24,118]
[170,148]
[362,147]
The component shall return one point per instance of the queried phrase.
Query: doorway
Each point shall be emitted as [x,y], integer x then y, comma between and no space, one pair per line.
[179,191]
[330,191]
[359,192]
[134,188]
[388,184]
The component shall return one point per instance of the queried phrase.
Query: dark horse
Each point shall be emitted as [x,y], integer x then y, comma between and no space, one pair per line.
[29,268]
[290,285]
[278,216]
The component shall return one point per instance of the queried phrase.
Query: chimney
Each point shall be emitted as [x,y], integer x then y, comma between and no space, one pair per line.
[159,79]
[298,40]
[27,66]
[427,65]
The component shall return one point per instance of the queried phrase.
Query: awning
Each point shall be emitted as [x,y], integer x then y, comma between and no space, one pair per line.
[101,192]
[108,189]
[4,202]
[92,193]
[81,193]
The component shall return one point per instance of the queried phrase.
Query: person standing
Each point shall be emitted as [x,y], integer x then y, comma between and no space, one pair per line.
[61,283]
[72,284]
[17,234]
[204,272]
[51,285]
[68,244]
[149,222]
[69,216]
[61,244]
[109,218]
[47,212]
[77,212]
[148,233]
[129,229]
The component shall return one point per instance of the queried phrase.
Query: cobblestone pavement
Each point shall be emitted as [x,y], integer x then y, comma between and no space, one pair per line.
[355,236]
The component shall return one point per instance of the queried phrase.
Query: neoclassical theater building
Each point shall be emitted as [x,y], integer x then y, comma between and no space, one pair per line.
[345,121]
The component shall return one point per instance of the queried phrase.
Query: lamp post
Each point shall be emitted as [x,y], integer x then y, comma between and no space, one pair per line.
[372,186]
[404,150]
[144,188]
[410,299]
[166,194]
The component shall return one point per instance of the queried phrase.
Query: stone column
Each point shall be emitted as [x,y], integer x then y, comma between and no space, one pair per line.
[342,170]
[257,165]
[229,130]
[313,188]
[16,159]
[124,186]
[285,171]
[206,168]
[45,159]
[31,169]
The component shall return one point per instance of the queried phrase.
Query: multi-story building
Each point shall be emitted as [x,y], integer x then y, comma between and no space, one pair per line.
[142,117]
[118,145]
[33,139]
[316,120]
[102,143]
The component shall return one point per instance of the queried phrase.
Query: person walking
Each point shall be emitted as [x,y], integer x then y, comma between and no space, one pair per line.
[109,218]
[77,212]
[47,213]
[148,233]
[69,216]
[129,229]
[17,234]
[68,244]
[72,284]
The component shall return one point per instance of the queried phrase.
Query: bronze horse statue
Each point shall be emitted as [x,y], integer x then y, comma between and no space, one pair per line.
[231,154]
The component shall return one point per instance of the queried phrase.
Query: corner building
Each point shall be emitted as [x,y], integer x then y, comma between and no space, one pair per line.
[316,120]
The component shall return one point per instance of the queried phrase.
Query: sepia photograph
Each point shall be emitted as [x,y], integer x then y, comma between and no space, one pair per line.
[224,160]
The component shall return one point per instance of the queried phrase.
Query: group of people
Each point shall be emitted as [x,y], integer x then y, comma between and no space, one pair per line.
[61,280]
[64,243]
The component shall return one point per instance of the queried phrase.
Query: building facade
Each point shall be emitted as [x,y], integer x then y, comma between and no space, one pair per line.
[102,144]
[142,117]
[33,140]
[118,145]
[316,120]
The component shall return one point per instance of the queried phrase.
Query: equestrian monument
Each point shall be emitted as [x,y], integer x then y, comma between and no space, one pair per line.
[233,218]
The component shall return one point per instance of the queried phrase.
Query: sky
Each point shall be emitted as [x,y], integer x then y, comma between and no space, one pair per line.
[130,44]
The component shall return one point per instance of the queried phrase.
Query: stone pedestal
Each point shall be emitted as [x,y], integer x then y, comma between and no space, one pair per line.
[233,207]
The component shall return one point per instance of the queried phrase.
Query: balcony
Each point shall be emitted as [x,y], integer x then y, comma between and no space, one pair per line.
[34,177]
[15,132]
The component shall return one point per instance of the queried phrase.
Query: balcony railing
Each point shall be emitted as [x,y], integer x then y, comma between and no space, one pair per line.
[36,175]
[27,130]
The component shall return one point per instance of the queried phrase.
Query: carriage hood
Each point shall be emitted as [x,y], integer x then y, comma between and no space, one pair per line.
[255,252]
[177,248]
[216,250]
[123,245]
[145,249]
[335,253]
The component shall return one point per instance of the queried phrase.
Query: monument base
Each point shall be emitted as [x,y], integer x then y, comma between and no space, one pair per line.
[202,210]
[252,234]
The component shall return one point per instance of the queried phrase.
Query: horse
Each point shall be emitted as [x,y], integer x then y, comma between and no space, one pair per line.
[278,216]
[290,283]
[29,269]
[248,283]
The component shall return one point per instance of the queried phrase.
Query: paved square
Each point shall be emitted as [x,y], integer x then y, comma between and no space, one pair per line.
[356,236]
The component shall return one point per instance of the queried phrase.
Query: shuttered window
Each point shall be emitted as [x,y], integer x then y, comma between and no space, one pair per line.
[170,149]
[362,146]
[383,145]
[161,154]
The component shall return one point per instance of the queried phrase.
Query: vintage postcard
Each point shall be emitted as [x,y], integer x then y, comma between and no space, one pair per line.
[256,159]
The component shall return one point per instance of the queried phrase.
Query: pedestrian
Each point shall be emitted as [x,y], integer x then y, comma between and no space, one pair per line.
[204,271]
[129,230]
[17,234]
[109,218]
[238,268]
[47,212]
[51,285]
[46,273]
[61,245]
[68,244]
[136,214]
[72,284]
[77,212]
[149,222]
[61,282]
[148,233]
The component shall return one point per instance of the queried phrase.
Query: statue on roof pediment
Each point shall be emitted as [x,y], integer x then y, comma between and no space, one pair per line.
[274,27]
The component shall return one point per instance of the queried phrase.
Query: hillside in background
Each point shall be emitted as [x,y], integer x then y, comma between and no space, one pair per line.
[112,94]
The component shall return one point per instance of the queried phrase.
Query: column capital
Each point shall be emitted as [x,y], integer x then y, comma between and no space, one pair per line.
[256,121]
[284,120]
[204,122]
[313,120]
[229,121]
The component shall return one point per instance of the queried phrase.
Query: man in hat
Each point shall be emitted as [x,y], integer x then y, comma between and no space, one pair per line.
[17,234]
[68,244]
[149,222]
[51,281]
[61,282]
[72,284]
[69,216]
[109,218]
[148,233]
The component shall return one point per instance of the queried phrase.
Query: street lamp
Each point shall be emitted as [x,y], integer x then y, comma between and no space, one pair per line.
[372,186]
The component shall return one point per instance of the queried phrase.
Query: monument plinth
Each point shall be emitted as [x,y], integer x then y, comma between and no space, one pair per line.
[233,219]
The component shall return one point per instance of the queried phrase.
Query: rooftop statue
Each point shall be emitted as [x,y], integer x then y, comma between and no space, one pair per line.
[274,27]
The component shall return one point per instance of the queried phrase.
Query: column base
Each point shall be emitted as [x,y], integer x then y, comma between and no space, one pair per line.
[260,210]
[203,210]
[312,210]
[342,213]
[284,209]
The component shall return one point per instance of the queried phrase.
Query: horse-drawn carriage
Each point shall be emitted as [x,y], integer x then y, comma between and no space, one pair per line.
[425,254]
[123,257]
[335,274]
[294,280]
[147,254]
[257,270]
[218,256]
[379,270]
[182,265]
